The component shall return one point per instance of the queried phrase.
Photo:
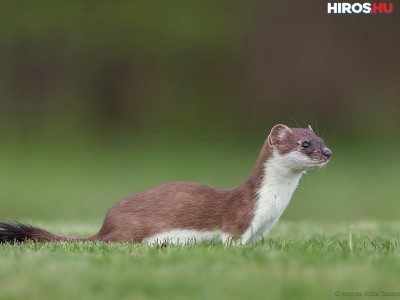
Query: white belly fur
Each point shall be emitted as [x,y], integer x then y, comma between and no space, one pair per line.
[186,237]
[274,195]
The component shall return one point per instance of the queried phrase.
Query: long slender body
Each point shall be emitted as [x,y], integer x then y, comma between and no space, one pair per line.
[181,212]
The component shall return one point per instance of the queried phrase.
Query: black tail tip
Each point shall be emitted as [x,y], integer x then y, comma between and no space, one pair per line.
[15,232]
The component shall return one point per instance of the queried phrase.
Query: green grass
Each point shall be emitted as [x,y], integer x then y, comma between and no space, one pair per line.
[299,260]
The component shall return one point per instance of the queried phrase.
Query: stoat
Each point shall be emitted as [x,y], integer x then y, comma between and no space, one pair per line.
[180,212]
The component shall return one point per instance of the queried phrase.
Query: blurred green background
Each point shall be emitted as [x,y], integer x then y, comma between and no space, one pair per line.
[99,101]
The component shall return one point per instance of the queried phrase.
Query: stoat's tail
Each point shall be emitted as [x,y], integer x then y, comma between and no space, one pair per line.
[15,232]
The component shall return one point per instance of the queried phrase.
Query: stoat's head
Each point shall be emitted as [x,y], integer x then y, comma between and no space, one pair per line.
[298,148]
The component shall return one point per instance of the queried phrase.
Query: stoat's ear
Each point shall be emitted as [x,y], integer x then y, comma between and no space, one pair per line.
[278,133]
[309,127]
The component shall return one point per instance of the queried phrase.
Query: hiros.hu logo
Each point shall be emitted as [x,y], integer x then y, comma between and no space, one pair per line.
[360,8]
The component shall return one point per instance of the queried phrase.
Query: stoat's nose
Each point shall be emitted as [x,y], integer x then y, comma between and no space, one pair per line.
[327,152]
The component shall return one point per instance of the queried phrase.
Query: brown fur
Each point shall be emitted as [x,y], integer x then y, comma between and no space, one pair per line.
[183,205]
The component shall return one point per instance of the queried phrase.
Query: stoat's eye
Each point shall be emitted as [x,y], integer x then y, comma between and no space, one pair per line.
[305,144]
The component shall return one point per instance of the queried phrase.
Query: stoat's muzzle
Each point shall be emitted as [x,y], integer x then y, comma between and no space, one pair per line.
[327,153]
